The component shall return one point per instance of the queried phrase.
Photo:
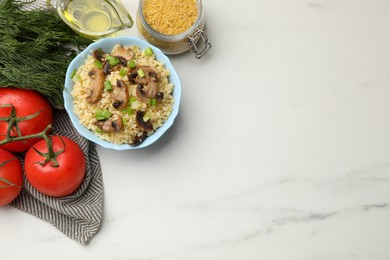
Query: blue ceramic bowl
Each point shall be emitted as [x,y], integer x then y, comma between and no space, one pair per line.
[107,45]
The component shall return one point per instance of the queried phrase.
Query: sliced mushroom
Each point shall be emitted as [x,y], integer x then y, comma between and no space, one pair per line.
[120,95]
[97,85]
[106,67]
[144,125]
[141,95]
[98,54]
[122,61]
[110,125]
[150,75]
[139,139]
[117,124]
[151,92]
[122,52]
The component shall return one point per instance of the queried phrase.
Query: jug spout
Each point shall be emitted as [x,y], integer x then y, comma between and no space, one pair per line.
[93,19]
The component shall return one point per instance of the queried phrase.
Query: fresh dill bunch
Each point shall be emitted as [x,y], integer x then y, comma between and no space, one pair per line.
[35,49]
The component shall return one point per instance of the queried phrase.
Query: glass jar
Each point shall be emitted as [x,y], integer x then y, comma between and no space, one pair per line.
[193,39]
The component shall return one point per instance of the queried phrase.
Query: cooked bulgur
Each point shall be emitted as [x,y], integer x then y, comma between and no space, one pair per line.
[155,110]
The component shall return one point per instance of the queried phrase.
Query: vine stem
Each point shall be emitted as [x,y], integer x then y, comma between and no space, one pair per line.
[12,121]
[26,137]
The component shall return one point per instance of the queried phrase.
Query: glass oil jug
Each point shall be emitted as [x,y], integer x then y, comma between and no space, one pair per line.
[93,19]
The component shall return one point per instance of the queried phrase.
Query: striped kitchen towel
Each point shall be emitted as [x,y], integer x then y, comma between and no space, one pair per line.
[78,215]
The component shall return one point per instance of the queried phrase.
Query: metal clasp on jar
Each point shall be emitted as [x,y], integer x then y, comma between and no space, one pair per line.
[199,48]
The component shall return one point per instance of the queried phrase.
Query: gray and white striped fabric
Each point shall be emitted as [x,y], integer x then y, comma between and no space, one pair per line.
[78,215]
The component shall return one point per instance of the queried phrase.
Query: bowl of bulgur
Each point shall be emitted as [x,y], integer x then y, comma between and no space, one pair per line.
[122,93]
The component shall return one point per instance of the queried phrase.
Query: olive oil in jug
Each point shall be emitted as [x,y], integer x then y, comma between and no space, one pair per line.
[93,19]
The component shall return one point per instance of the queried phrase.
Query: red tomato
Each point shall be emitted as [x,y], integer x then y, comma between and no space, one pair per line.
[56,181]
[11,178]
[26,103]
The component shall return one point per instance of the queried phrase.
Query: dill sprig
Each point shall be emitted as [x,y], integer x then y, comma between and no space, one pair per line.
[35,49]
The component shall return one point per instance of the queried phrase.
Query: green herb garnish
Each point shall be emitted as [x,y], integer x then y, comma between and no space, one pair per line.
[102,114]
[128,110]
[132,99]
[141,73]
[107,85]
[146,117]
[73,73]
[153,102]
[113,61]
[34,48]
[131,64]
[123,72]
[148,52]
[98,64]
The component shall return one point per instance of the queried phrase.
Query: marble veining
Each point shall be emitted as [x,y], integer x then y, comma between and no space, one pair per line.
[281,150]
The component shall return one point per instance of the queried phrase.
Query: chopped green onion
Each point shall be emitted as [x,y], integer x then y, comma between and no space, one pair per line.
[102,114]
[127,110]
[107,85]
[76,78]
[122,72]
[124,122]
[100,118]
[73,73]
[113,61]
[153,102]
[141,73]
[132,104]
[132,99]
[131,64]
[98,64]
[148,52]
[146,117]
[99,130]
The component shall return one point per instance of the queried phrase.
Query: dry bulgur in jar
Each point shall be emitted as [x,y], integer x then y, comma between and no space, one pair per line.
[174,26]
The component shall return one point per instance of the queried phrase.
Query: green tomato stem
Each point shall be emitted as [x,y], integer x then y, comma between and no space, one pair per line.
[26,137]
[12,121]
[7,182]
[50,156]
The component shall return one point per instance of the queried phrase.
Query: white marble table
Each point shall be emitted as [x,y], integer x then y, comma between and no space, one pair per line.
[281,149]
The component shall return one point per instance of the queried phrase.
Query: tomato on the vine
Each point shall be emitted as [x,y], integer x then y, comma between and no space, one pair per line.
[55,177]
[32,111]
[11,177]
